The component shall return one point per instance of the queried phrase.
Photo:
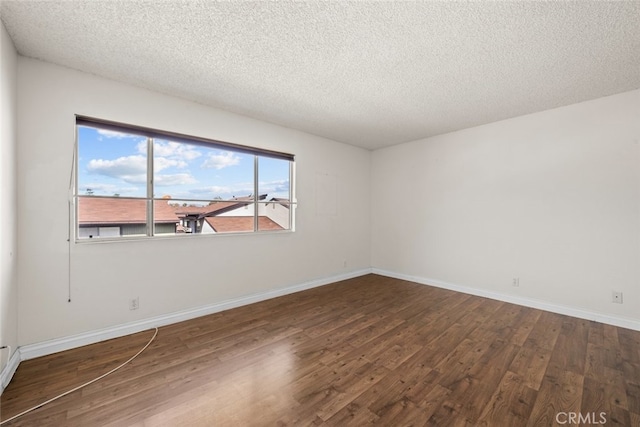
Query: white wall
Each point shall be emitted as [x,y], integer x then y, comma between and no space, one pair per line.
[8,200]
[105,275]
[552,198]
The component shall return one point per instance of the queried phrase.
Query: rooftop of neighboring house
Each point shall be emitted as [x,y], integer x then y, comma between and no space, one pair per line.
[227,224]
[280,201]
[115,210]
[214,207]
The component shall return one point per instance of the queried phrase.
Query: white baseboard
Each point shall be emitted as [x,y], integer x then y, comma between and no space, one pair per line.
[9,370]
[60,344]
[580,313]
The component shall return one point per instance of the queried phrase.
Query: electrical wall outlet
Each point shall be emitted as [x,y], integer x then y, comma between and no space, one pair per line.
[134,303]
[516,282]
[616,297]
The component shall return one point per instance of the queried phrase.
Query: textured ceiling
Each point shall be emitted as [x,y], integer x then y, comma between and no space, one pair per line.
[371,74]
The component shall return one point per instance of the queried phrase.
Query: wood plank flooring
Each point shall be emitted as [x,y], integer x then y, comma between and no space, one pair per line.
[371,350]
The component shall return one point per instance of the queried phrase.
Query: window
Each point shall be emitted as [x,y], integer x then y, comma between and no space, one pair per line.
[132,181]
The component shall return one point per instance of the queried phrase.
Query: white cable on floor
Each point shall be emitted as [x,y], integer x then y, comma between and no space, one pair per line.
[83,385]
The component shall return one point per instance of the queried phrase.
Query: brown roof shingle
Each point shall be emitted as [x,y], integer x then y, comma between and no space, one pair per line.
[229,224]
[115,210]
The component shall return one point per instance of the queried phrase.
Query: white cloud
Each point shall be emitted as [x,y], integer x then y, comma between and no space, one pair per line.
[213,190]
[174,179]
[174,150]
[170,154]
[221,161]
[161,163]
[142,147]
[224,191]
[274,186]
[131,169]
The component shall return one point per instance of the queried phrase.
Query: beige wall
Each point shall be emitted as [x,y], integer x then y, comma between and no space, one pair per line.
[552,198]
[168,275]
[8,200]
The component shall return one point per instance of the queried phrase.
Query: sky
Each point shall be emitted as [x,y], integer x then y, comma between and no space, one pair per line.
[112,163]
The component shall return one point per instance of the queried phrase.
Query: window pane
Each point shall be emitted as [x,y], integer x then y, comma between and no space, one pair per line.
[273,178]
[111,163]
[100,217]
[165,218]
[194,171]
[274,215]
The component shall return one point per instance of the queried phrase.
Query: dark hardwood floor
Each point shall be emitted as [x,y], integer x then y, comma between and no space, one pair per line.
[367,350]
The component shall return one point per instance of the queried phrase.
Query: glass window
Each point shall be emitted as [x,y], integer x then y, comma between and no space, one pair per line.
[191,186]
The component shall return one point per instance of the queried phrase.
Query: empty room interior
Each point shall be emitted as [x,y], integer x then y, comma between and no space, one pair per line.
[319,213]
